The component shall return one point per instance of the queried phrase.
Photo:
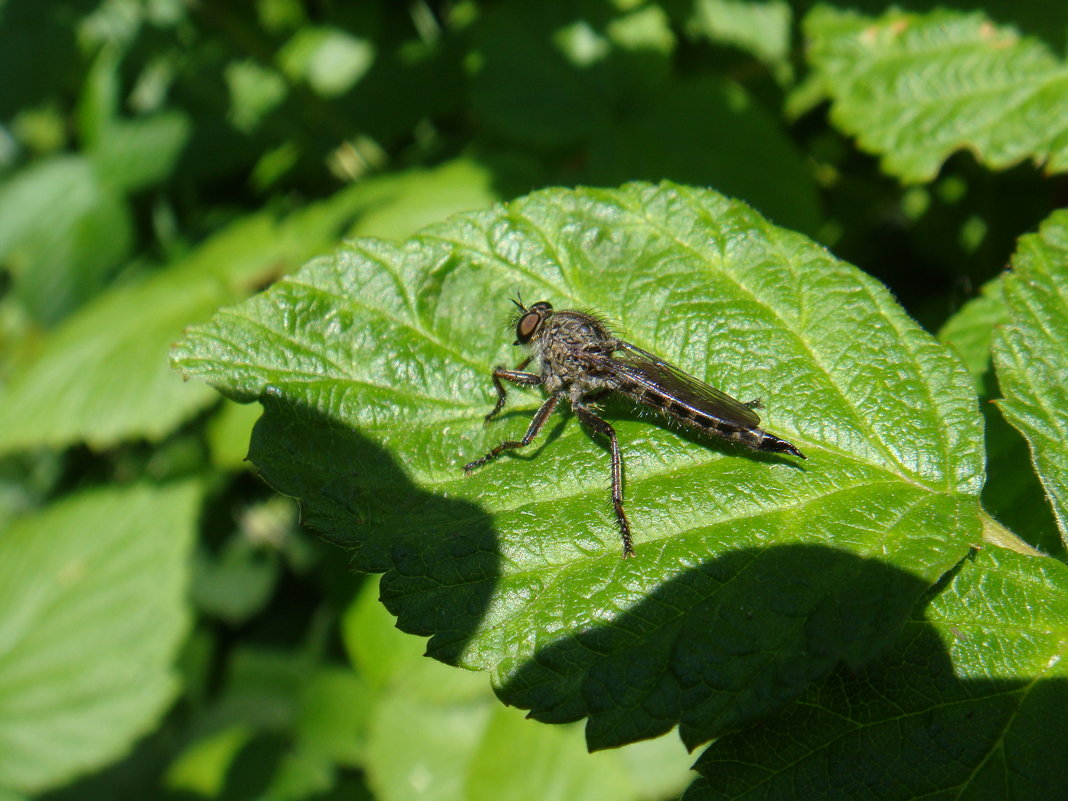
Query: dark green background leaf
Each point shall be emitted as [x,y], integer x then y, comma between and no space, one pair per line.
[560,75]
[754,574]
[1031,356]
[1012,496]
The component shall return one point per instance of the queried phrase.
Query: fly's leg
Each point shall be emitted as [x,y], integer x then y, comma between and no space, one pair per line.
[516,376]
[756,403]
[535,426]
[596,424]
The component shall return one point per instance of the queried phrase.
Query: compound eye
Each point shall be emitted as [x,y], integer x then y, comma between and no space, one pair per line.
[526,326]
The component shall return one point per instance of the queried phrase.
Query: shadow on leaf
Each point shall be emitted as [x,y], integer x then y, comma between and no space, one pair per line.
[907,726]
[718,645]
[440,554]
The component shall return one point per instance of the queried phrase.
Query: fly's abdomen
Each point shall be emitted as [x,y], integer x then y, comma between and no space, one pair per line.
[683,412]
[741,432]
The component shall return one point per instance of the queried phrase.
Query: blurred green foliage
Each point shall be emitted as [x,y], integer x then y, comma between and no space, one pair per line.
[160,159]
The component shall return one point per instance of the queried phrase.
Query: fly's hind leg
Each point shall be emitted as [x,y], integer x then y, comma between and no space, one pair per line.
[596,424]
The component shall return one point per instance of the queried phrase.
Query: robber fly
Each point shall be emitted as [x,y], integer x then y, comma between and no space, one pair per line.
[582,362]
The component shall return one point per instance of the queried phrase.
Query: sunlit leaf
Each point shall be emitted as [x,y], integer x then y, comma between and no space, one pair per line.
[754,574]
[914,88]
[762,29]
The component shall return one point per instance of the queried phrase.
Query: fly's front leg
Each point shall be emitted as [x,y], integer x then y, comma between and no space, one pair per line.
[516,376]
[595,423]
[532,431]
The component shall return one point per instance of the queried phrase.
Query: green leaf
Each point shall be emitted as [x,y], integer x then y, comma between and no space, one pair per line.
[970,703]
[255,91]
[762,29]
[399,204]
[203,765]
[228,433]
[518,760]
[1013,496]
[914,88]
[754,574]
[1031,356]
[134,154]
[236,583]
[330,60]
[283,723]
[439,733]
[103,377]
[331,722]
[971,328]
[92,610]
[62,232]
[719,136]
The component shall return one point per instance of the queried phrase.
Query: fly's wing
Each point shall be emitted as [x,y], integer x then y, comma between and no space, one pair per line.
[655,377]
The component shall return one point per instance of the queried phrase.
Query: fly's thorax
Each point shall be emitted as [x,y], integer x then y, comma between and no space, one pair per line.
[565,344]
[575,331]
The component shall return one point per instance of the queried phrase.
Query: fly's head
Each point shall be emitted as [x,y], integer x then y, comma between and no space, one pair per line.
[530,320]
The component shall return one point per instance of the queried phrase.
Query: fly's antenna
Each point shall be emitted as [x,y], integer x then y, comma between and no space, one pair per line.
[515,317]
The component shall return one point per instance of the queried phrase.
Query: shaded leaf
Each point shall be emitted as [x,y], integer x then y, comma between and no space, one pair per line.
[720,136]
[914,88]
[969,703]
[754,574]
[1031,356]
[550,75]
[92,610]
